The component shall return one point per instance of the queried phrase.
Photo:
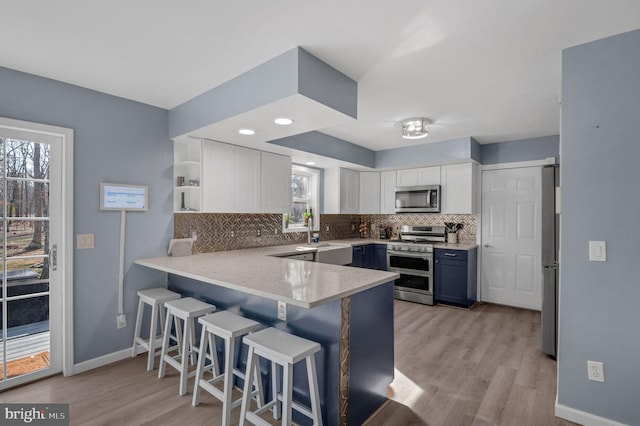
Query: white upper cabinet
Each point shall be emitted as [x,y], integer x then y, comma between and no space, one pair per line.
[246,180]
[459,189]
[217,175]
[233,180]
[275,173]
[388,192]
[341,191]
[418,177]
[369,192]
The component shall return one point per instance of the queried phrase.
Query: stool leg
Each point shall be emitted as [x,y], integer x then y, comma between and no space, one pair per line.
[246,395]
[287,393]
[214,355]
[152,337]
[257,383]
[187,344]
[312,377]
[178,336]
[165,343]
[229,345]
[201,359]
[275,389]
[136,333]
[192,340]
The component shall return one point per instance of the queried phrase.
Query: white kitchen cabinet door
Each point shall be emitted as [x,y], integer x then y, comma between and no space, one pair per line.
[275,171]
[418,177]
[217,176]
[246,181]
[388,192]
[458,189]
[349,191]
[369,192]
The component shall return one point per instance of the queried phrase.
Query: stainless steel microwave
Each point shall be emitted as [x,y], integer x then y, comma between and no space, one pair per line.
[418,199]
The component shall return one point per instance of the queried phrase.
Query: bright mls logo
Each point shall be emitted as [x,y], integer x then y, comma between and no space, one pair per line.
[34,414]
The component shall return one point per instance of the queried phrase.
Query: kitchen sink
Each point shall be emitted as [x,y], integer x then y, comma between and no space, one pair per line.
[336,254]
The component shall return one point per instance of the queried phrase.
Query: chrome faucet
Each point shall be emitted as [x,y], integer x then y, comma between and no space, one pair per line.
[309,226]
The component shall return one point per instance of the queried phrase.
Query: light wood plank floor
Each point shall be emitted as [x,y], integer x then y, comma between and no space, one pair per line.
[453,367]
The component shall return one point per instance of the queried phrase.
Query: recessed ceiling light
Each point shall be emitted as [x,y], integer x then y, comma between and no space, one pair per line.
[246,132]
[283,121]
[310,163]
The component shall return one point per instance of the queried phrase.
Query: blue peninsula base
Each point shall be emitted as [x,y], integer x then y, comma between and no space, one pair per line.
[355,365]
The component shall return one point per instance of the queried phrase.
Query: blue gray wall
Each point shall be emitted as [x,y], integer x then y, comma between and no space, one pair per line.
[521,150]
[116,140]
[600,301]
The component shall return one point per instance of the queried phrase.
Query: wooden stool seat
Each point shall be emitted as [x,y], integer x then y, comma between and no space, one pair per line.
[154,297]
[281,349]
[187,310]
[227,326]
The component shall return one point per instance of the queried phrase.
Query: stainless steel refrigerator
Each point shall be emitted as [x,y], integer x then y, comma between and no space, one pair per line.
[550,223]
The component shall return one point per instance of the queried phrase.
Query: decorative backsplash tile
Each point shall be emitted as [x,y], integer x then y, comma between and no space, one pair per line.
[466,235]
[214,229]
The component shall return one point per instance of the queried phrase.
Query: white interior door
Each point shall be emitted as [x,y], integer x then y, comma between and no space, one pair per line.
[511,237]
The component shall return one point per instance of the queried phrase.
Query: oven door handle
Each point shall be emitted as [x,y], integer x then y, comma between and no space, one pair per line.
[413,255]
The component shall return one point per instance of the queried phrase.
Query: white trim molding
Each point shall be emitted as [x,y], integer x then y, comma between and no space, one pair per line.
[66,245]
[582,417]
[101,361]
[519,164]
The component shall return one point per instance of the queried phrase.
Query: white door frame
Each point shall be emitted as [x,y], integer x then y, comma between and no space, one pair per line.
[499,166]
[65,246]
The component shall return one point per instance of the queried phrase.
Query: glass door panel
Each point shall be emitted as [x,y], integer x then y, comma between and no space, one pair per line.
[24,229]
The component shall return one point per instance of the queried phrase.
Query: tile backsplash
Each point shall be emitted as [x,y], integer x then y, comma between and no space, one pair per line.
[214,229]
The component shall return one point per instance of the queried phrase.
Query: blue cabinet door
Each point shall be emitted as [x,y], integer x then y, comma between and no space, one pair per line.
[455,277]
[451,282]
[380,257]
[358,257]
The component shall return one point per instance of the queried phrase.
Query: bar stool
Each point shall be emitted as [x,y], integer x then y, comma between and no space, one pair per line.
[155,297]
[186,309]
[228,326]
[281,349]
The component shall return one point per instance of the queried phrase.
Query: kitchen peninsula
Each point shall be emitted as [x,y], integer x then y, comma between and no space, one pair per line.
[349,311]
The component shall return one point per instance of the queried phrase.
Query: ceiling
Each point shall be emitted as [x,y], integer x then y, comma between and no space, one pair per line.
[487,69]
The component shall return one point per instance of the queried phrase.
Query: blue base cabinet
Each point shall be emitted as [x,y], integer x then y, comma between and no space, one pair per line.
[455,277]
[370,256]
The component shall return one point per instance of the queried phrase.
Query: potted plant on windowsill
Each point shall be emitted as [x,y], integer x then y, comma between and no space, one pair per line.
[308,215]
[452,231]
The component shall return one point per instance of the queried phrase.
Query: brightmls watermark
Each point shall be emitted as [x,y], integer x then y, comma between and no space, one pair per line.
[34,414]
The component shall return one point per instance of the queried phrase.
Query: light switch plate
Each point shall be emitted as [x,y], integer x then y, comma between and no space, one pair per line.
[84,241]
[597,251]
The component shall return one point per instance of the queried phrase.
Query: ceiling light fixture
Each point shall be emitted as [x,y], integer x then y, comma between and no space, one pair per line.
[247,132]
[283,121]
[415,128]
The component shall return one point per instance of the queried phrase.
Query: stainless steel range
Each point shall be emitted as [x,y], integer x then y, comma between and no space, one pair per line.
[412,258]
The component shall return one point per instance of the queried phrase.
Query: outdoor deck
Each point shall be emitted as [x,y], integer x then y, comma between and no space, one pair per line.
[26,340]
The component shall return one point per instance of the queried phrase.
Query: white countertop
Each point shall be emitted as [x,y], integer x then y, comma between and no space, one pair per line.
[255,271]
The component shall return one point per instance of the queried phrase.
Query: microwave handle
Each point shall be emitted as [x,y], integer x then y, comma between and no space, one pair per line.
[428,197]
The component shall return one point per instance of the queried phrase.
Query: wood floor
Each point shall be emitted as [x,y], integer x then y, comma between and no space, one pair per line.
[453,367]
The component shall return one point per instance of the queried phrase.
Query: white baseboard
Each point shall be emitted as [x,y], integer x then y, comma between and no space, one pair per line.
[582,417]
[103,360]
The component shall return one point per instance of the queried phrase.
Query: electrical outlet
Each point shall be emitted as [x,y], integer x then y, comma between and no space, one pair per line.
[596,371]
[121,321]
[258,232]
[232,234]
[194,235]
[275,231]
[282,311]
[327,228]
